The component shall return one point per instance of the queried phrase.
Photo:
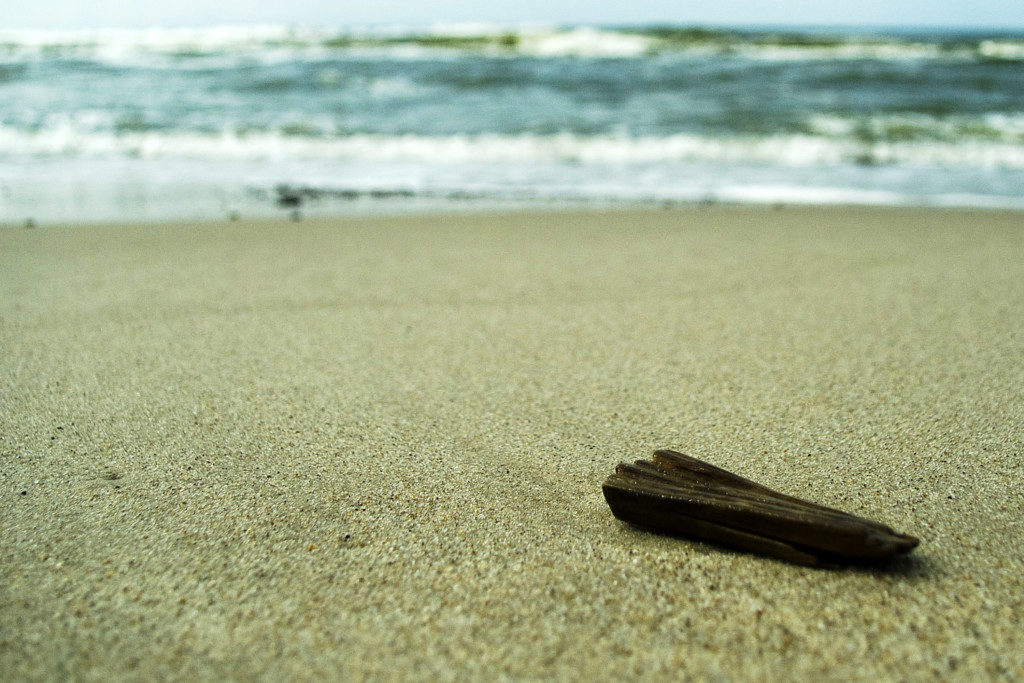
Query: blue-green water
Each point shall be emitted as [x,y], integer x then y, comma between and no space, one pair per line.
[192,123]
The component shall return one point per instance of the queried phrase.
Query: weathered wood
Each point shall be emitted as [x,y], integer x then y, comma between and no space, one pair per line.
[678,494]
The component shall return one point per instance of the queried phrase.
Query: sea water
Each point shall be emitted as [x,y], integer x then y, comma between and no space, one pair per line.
[204,123]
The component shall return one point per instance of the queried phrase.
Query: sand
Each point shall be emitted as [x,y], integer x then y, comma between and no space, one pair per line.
[374,447]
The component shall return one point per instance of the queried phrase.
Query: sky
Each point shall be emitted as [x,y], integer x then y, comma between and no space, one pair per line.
[71,14]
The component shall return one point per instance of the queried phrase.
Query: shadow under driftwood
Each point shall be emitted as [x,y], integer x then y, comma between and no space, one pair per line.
[914,567]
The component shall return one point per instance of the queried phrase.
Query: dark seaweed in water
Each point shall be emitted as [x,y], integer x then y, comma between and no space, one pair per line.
[289,197]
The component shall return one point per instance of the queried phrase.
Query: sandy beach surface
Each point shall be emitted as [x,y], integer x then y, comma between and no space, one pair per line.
[374,447]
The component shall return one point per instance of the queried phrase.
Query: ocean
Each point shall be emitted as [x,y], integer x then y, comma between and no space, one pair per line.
[233,121]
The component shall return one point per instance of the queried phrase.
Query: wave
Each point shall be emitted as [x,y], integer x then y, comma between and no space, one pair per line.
[270,42]
[910,127]
[834,144]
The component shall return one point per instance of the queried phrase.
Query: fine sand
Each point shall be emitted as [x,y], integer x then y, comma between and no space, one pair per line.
[375,447]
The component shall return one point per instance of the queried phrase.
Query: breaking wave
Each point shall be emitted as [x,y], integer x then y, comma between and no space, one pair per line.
[995,143]
[270,42]
[491,112]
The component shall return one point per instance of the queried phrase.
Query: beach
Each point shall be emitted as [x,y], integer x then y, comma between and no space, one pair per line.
[373,447]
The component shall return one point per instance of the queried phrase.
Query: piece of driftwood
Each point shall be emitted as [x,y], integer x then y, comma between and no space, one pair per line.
[678,494]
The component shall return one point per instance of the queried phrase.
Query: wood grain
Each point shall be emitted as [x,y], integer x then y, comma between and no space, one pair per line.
[681,495]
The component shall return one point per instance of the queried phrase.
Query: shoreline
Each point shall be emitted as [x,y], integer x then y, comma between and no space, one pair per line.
[157,191]
[441,212]
[374,447]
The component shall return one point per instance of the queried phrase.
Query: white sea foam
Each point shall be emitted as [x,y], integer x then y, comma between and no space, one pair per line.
[956,129]
[807,194]
[853,51]
[206,39]
[584,42]
[85,136]
[262,42]
[1002,49]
